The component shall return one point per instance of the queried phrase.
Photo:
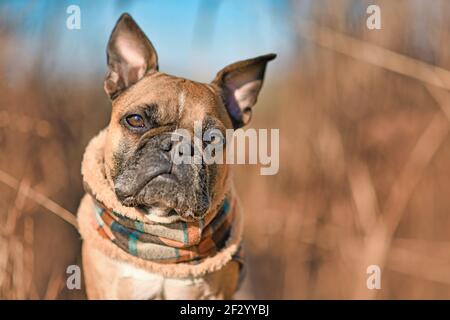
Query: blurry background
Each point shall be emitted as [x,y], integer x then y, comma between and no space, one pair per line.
[364,129]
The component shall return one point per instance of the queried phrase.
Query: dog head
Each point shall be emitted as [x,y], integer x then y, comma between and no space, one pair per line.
[148,106]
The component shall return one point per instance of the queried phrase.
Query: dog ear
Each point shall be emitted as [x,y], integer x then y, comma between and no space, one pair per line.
[240,83]
[130,56]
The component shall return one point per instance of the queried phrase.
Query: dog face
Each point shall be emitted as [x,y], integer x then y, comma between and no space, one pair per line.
[148,107]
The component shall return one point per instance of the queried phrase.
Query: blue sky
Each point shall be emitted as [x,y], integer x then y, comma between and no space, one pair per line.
[187,42]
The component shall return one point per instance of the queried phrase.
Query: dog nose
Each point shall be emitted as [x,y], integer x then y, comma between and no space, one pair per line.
[166,144]
[122,192]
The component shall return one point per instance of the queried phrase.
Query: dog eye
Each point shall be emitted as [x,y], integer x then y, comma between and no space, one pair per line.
[136,121]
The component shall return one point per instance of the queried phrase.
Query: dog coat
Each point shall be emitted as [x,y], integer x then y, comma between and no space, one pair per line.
[185,252]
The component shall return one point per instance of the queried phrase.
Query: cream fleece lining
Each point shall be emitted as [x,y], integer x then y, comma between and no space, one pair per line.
[95,180]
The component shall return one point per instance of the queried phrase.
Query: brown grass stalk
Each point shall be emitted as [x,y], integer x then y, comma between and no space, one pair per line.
[40,199]
[379,237]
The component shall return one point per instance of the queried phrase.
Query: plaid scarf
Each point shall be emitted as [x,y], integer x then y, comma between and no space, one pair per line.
[189,242]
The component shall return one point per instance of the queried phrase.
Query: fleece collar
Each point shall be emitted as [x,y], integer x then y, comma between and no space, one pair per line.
[176,242]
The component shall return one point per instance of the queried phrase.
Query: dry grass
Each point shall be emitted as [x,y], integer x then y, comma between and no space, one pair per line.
[364,151]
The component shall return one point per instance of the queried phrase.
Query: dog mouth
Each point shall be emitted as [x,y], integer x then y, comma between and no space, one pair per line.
[161,173]
[162,189]
[160,207]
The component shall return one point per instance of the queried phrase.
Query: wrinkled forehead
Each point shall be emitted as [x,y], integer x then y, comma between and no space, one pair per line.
[175,99]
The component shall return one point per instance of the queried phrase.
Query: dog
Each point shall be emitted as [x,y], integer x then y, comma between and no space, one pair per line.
[153,229]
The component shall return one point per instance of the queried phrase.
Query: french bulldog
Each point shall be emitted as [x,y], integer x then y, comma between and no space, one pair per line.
[148,106]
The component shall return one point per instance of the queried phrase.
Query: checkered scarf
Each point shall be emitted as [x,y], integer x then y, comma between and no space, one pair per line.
[189,242]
